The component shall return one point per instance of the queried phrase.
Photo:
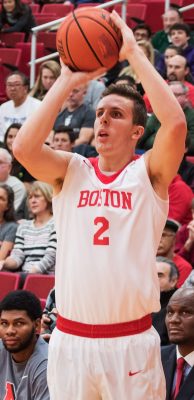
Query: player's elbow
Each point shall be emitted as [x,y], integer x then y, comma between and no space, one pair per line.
[180,126]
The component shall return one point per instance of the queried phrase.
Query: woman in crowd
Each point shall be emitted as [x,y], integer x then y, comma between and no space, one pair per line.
[16,17]
[35,244]
[17,169]
[48,73]
[8,225]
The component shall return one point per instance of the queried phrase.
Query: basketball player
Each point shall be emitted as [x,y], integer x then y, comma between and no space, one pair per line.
[109,216]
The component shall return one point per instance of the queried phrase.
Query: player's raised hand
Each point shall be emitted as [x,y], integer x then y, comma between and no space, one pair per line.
[78,78]
[129,42]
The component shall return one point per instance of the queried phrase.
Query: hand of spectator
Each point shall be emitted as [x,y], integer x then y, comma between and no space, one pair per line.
[34,270]
[46,336]
[44,323]
[190,227]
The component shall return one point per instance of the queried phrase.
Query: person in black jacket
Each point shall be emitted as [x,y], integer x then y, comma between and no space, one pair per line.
[16,17]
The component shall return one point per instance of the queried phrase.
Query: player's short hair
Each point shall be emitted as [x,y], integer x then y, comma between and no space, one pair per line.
[139,108]
[180,27]
[22,300]
[174,272]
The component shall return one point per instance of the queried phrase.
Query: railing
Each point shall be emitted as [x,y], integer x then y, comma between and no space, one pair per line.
[42,27]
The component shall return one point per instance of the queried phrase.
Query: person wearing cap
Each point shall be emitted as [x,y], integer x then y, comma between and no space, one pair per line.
[166,249]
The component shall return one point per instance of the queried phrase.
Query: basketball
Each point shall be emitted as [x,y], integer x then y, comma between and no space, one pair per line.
[87,40]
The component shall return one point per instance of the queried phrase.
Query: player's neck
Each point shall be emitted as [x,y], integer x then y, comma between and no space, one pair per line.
[114,164]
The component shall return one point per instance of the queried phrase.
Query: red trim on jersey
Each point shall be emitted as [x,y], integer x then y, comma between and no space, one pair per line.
[104,331]
[107,178]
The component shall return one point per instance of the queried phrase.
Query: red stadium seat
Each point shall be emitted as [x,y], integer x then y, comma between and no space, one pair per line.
[136,13]
[155,10]
[35,8]
[190,159]
[10,39]
[25,48]
[39,284]
[60,10]
[9,61]
[8,281]
[44,18]
[49,40]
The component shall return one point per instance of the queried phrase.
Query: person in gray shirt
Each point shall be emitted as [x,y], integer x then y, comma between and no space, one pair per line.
[23,353]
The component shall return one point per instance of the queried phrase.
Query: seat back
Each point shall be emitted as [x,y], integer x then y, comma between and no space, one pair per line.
[25,48]
[8,281]
[39,284]
[10,39]
[49,40]
[60,10]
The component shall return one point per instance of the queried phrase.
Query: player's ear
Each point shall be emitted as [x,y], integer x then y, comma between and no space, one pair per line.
[37,326]
[137,132]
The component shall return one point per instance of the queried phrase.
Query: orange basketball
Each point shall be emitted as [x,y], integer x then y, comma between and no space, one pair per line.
[87,40]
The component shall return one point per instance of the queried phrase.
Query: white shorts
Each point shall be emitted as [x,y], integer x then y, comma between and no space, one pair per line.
[124,368]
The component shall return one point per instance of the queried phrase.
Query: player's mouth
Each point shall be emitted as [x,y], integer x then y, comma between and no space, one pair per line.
[102,134]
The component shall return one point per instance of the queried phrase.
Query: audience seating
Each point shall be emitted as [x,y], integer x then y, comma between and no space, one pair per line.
[8,281]
[9,61]
[155,10]
[136,13]
[35,8]
[10,39]
[60,10]
[25,48]
[44,18]
[39,284]
[49,40]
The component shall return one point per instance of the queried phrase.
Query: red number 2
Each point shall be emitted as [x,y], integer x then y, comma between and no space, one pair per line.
[99,239]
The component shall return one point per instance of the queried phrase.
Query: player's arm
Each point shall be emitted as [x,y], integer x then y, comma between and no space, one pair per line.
[41,161]
[168,149]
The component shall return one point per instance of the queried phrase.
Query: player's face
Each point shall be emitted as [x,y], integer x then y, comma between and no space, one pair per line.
[180,318]
[114,128]
[17,330]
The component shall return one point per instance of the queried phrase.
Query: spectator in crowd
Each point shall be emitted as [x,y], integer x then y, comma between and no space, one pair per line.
[180,34]
[143,32]
[125,80]
[186,169]
[177,70]
[49,315]
[166,249]
[177,358]
[184,245]
[35,244]
[170,52]
[20,105]
[8,225]
[5,177]
[181,93]
[161,39]
[16,16]
[180,197]
[64,139]
[48,73]
[17,169]
[93,93]
[78,116]
[168,276]
[23,352]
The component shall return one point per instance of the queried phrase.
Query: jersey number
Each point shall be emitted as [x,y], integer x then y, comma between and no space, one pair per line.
[99,236]
[10,393]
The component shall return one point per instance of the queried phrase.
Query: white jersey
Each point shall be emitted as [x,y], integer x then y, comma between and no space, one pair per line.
[108,231]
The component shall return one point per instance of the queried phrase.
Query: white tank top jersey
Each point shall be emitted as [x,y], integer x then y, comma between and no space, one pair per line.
[108,231]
